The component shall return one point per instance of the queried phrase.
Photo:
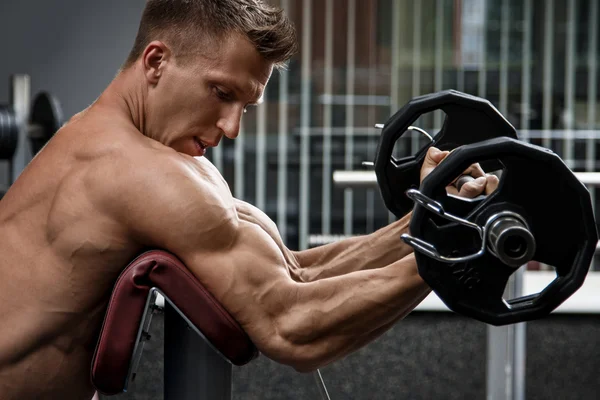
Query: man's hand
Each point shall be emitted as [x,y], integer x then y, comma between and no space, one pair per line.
[482,184]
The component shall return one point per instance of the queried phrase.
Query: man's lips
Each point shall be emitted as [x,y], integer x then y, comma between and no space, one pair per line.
[204,144]
[200,147]
[200,143]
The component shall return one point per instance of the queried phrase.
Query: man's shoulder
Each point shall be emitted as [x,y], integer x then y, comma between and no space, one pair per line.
[131,177]
[126,158]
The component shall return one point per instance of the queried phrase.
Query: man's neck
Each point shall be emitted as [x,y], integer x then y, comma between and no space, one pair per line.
[125,96]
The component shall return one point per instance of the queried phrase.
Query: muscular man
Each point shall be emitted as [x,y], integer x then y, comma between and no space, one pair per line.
[128,174]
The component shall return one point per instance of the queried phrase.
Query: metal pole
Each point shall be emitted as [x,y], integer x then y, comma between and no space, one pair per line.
[395,64]
[282,155]
[239,163]
[327,119]
[504,59]
[526,71]
[506,353]
[506,344]
[368,179]
[439,59]
[305,123]
[192,369]
[349,134]
[482,78]
[548,72]
[20,99]
[569,121]
[261,155]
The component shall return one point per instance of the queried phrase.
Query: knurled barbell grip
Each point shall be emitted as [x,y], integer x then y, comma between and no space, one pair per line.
[458,184]
[508,238]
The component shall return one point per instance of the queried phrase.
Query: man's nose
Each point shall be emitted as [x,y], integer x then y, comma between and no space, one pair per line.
[230,124]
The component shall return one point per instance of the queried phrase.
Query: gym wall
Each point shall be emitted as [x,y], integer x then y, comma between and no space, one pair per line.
[68,47]
[71,48]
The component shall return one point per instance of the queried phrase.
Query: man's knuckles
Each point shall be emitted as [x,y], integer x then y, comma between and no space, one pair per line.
[492,184]
[473,188]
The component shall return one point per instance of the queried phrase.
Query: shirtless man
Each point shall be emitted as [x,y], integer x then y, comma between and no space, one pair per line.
[128,174]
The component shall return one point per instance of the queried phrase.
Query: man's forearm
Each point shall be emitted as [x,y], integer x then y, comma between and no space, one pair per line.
[375,250]
[379,330]
[334,317]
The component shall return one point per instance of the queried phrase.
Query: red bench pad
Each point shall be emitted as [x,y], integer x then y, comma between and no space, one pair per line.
[162,270]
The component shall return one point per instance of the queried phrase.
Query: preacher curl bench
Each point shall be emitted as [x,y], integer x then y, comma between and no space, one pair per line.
[202,341]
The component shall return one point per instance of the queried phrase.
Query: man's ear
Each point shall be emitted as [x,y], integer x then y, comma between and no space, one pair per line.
[154,59]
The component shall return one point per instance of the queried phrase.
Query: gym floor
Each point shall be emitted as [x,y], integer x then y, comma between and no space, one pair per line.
[427,356]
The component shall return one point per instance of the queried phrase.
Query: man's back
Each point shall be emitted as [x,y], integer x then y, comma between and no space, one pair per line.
[61,256]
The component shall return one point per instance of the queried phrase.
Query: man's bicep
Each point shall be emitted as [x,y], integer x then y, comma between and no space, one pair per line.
[248,278]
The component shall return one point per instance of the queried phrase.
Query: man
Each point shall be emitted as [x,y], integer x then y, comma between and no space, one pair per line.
[128,174]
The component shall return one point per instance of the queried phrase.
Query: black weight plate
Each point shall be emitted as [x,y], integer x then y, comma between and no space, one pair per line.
[9,133]
[537,185]
[46,118]
[469,119]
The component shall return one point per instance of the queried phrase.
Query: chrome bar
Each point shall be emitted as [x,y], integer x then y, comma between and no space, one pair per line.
[592,63]
[350,78]
[416,68]
[482,78]
[20,98]
[526,71]
[395,58]
[416,86]
[327,118]
[548,79]
[305,124]
[504,43]
[321,385]
[569,84]
[238,174]
[371,111]
[458,57]
[282,155]
[439,58]
[368,179]
[261,154]
[506,352]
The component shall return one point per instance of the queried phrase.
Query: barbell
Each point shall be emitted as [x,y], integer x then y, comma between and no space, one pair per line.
[467,249]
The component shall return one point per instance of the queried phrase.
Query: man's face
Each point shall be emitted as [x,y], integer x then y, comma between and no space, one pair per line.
[195,103]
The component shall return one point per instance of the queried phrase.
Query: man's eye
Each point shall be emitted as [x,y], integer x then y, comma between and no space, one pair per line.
[221,94]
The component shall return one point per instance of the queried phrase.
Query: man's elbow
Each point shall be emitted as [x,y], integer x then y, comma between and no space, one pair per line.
[303,359]
[302,356]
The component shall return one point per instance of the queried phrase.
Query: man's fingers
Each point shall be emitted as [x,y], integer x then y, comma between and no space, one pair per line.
[473,188]
[492,184]
[433,157]
[474,170]
[483,184]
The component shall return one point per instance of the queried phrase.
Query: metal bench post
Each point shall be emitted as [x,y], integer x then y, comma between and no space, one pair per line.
[192,369]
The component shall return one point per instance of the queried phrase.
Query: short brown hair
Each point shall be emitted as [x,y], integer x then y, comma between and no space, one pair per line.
[183,24]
